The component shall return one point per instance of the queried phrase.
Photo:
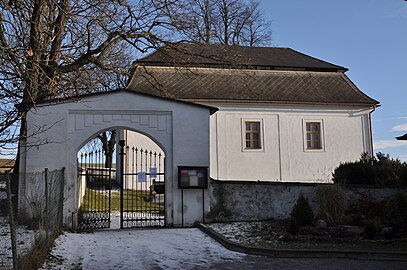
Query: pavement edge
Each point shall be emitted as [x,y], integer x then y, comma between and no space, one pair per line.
[300,253]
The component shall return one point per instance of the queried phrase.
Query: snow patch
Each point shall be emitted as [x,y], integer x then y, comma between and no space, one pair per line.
[185,248]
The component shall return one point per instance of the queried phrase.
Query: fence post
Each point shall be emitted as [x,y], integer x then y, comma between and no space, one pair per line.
[61,199]
[11,221]
[121,153]
[46,203]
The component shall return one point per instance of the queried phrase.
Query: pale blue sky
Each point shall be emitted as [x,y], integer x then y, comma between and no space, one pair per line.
[367,36]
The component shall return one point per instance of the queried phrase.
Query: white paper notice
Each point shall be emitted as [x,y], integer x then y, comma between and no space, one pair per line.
[193,181]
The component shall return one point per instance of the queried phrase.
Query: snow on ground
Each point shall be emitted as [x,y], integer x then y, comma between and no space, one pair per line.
[236,231]
[24,239]
[186,248]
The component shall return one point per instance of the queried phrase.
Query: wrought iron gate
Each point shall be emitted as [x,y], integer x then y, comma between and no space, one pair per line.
[138,194]
[95,186]
[142,188]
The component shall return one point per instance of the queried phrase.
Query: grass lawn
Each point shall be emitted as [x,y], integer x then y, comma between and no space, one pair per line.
[134,200]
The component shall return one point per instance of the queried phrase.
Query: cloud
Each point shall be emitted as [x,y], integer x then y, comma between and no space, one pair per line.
[388,143]
[402,127]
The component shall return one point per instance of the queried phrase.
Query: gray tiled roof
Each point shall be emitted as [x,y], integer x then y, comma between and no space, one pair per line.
[236,57]
[402,137]
[248,85]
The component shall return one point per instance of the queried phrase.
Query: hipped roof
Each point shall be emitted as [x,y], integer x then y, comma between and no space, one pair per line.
[248,85]
[244,74]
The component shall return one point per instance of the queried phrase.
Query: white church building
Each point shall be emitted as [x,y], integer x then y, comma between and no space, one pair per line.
[283,115]
[226,113]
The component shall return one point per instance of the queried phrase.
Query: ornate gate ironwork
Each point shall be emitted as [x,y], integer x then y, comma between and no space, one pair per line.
[142,188]
[95,185]
[138,195]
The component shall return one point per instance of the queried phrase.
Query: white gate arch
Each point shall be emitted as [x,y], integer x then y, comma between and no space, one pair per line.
[59,129]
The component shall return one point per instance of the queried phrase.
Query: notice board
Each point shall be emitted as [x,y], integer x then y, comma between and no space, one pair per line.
[190,177]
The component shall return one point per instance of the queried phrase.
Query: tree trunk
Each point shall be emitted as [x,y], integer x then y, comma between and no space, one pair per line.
[108,146]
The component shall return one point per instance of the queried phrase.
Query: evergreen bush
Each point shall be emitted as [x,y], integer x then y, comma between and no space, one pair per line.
[302,214]
[380,170]
[396,212]
[355,173]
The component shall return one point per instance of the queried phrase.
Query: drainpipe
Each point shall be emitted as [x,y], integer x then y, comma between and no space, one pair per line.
[371,131]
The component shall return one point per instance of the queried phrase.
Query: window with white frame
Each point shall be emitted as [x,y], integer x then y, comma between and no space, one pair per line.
[313,135]
[252,135]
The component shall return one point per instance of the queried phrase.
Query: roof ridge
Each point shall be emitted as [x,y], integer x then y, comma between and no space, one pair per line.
[236,56]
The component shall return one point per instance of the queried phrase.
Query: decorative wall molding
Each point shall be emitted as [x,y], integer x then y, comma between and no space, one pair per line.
[153,120]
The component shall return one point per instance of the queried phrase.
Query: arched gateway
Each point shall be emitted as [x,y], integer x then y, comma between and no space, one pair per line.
[60,129]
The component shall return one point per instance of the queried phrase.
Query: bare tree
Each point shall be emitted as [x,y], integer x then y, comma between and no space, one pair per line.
[46,45]
[108,140]
[229,22]
[103,143]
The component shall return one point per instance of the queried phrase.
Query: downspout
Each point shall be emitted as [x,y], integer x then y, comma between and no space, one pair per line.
[217,146]
[371,131]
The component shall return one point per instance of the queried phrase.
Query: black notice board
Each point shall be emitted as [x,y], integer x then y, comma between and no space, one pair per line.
[192,177]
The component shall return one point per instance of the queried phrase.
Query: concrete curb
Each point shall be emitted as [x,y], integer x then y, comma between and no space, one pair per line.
[301,253]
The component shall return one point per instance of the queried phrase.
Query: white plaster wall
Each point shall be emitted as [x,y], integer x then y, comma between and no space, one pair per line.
[141,141]
[182,131]
[135,139]
[283,156]
[191,148]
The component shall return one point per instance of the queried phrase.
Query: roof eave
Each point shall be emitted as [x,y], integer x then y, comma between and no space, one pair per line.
[54,101]
[255,67]
[402,137]
[275,102]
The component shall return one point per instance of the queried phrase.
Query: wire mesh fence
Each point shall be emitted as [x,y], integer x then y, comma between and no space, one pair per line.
[35,218]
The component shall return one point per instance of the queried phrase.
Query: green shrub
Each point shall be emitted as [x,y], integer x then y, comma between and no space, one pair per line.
[388,169]
[403,175]
[293,226]
[355,173]
[379,170]
[332,203]
[396,212]
[369,207]
[302,214]
[370,228]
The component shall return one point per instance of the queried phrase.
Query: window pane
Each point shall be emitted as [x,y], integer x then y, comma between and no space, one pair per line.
[308,127]
[316,127]
[252,135]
